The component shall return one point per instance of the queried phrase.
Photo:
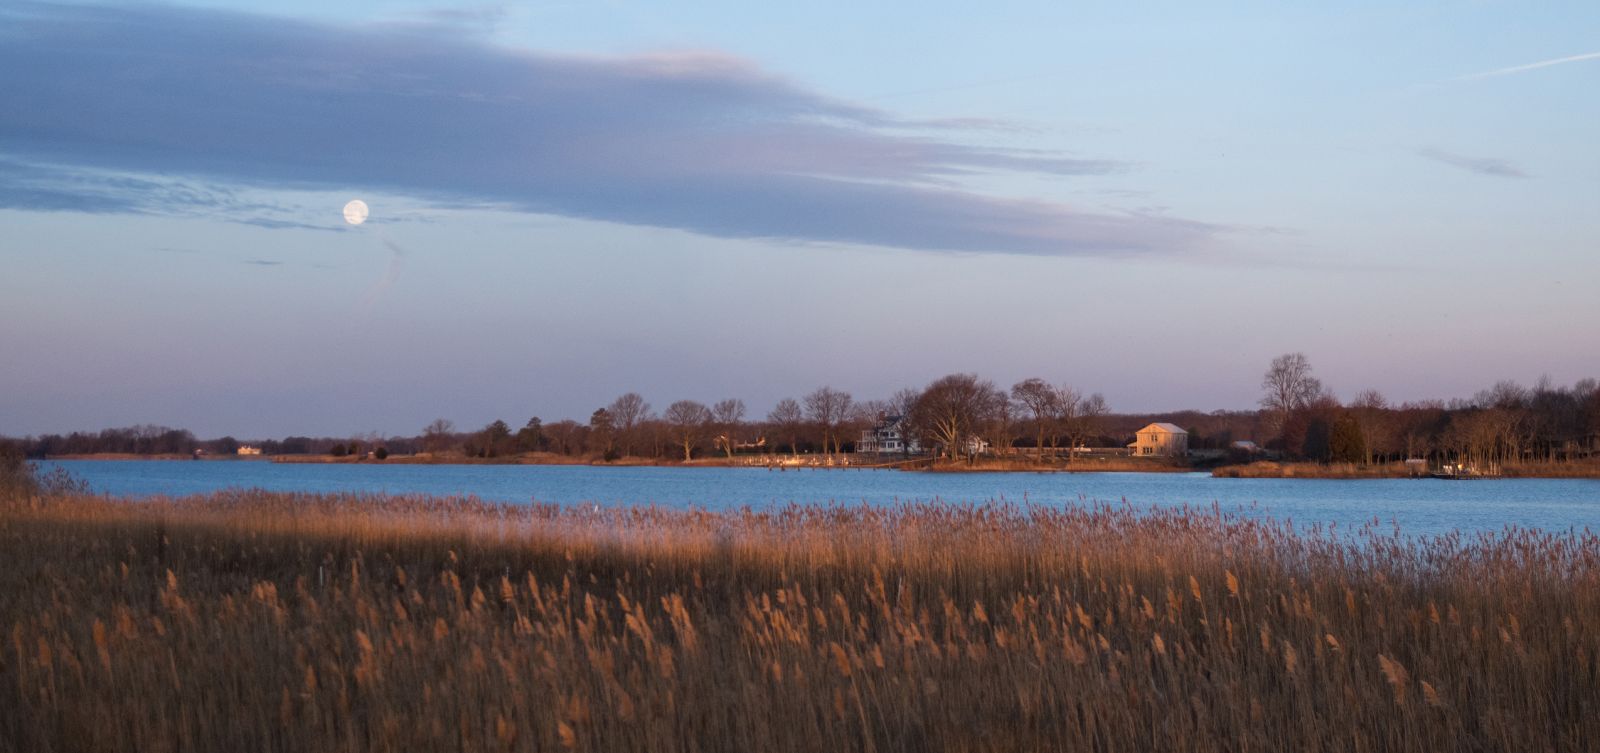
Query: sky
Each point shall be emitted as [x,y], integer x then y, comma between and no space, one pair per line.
[701,200]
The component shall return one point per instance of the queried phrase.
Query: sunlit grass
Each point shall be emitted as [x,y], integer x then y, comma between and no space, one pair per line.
[253,621]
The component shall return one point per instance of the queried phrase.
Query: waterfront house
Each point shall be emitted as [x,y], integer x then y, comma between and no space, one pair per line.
[245,449]
[1160,440]
[888,436]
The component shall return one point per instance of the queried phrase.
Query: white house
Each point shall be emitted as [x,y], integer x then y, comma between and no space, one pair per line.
[887,436]
[1161,439]
[245,449]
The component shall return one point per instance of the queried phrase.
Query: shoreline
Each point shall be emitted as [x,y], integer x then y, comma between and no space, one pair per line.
[774,463]
[1257,470]
[1349,471]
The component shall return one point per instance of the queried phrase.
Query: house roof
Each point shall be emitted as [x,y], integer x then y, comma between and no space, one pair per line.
[1164,427]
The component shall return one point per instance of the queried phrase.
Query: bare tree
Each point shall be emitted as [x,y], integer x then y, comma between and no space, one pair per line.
[1288,386]
[567,436]
[1082,417]
[437,435]
[1371,399]
[829,408]
[786,417]
[901,402]
[1068,401]
[658,434]
[627,412]
[997,422]
[1371,412]
[1505,394]
[727,415]
[687,420]
[869,411]
[1042,403]
[949,410]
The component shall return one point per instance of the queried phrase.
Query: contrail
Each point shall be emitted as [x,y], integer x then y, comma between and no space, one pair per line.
[397,261]
[1530,66]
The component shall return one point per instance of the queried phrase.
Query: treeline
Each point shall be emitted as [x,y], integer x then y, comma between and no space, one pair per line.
[965,415]
[1506,423]
[132,440]
[152,440]
[951,416]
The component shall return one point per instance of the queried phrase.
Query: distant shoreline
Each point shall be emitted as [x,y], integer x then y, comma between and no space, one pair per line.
[1351,471]
[774,463]
[1260,469]
[157,456]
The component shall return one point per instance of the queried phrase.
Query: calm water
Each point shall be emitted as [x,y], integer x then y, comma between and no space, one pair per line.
[1419,506]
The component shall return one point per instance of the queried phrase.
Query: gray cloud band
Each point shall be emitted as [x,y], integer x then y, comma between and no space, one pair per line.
[698,142]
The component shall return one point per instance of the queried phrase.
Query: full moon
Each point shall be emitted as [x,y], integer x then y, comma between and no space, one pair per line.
[355,212]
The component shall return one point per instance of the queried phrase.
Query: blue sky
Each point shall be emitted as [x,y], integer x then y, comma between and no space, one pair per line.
[704,200]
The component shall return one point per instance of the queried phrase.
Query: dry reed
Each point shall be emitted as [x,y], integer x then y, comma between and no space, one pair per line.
[283,622]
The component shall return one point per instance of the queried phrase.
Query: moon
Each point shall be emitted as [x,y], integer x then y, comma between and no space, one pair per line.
[355,212]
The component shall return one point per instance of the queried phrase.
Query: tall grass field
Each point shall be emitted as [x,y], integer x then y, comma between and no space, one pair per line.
[252,621]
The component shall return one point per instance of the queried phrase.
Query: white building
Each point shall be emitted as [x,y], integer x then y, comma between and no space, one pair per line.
[245,449]
[1160,440]
[887,437]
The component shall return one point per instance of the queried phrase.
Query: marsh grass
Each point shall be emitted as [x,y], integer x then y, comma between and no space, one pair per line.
[249,621]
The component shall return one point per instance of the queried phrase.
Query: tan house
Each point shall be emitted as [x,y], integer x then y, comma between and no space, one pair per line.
[1169,440]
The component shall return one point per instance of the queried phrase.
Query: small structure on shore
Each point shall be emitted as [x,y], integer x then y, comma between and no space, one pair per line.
[1160,440]
[245,449]
[1465,471]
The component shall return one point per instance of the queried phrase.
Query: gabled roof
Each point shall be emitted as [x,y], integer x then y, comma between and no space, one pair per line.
[1164,427]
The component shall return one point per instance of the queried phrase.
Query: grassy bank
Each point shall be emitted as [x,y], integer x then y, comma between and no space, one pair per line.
[1576,469]
[254,621]
[1271,469]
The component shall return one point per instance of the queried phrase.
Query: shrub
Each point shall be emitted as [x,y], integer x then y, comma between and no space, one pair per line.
[20,478]
[16,473]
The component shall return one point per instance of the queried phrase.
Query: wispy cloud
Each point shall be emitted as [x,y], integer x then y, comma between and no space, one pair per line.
[65,188]
[696,141]
[1497,168]
[1531,66]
